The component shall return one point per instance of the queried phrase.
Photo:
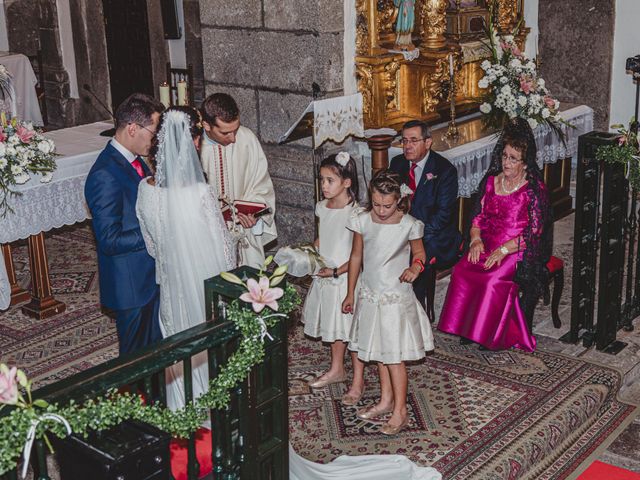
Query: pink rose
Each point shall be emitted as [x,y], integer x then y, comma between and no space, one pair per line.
[549,102]
[8,385]
[525,85]
[24,133]
[516,51]
[260,295]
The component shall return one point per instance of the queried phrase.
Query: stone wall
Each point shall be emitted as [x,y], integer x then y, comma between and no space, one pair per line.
[576,48]
[267,54]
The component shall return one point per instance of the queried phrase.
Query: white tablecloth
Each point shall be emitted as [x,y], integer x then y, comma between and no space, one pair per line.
[24,81]
[44,206]
[472,159]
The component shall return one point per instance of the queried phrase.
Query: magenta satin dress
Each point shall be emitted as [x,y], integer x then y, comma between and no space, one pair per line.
[482,305]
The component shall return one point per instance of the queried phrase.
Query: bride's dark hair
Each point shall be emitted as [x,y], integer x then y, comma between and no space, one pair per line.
[195,127]
[531,273]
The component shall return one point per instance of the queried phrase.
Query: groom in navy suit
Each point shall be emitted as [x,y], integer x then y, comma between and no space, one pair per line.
[127,271]
[435,183]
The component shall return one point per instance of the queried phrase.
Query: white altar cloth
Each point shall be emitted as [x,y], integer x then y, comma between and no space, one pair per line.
[472,159]
[24,81]
[44,206]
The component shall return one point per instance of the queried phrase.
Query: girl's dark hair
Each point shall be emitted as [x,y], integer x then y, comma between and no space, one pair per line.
[387,182]
[195,127]
[531,273]
[349,171]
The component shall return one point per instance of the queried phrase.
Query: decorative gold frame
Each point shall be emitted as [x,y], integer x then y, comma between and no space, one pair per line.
[396,90]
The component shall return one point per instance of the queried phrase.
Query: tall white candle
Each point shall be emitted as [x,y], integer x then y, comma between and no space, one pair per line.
[182,92]
[164,95]
[451,64]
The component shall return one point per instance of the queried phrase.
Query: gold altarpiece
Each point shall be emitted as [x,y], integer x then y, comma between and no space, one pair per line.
[396,90]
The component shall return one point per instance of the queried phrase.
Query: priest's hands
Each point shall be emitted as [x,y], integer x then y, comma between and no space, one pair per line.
[247,221]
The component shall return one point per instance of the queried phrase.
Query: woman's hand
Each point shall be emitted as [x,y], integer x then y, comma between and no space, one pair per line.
[496,257]
[409,275]
[325,272]
[347,304]
[476,248]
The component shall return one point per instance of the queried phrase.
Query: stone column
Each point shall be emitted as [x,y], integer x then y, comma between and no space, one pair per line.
[267,54]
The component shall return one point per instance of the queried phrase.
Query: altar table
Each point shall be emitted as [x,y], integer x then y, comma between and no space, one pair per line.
[24,82]
[44,206]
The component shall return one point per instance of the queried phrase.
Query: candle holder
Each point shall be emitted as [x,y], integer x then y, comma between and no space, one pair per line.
[452,131]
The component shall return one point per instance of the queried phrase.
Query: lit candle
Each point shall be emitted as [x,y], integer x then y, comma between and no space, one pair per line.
[451,65]
[182,92]
[164,95]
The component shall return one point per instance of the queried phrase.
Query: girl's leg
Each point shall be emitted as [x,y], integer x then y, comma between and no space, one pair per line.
[336,372]
[352,397]
[385,404]
[398,374]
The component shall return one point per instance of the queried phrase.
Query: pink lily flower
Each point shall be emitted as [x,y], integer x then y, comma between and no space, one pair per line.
[549,102]
[260,295]
[24,133]
[8,386]
[622,140]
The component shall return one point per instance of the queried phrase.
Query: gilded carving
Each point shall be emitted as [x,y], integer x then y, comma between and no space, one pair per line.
[390,84]
[362,28]
[364,75]
[434,22]
[507,15]
[387,13]
[432,84]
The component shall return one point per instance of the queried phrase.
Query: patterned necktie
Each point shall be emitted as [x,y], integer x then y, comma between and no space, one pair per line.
[412,177]
[138,166]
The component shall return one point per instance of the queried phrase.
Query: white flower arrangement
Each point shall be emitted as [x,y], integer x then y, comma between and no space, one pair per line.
[23,152]
[405,190]
[513,88]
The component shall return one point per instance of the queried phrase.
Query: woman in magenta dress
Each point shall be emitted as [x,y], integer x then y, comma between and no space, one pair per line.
[487,302]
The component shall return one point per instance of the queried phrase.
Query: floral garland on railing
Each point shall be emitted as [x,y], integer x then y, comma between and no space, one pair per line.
[625,151]
[111,409]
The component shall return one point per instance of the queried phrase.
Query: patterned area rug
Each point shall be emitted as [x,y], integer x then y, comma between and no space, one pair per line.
[65,344]
[474,414]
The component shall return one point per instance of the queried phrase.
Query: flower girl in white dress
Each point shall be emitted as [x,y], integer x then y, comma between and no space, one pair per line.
[389,325]
[322,313]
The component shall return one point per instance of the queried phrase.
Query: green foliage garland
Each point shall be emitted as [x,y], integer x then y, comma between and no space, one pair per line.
[626,151]
[111,409]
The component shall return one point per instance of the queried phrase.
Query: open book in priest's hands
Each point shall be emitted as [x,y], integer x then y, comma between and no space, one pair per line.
[257,209]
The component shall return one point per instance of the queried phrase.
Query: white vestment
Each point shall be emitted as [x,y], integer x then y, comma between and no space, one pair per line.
[239,171]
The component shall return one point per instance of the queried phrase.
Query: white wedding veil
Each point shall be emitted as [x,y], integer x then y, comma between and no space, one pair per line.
[193,242]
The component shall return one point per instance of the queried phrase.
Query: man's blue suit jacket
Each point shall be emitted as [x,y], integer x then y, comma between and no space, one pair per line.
[127,271]
[434,204]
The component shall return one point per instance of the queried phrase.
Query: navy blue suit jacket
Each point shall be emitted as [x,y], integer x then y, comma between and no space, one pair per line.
[434,203]
[127,271]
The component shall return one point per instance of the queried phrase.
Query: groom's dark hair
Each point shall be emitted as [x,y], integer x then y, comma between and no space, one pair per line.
[137,108]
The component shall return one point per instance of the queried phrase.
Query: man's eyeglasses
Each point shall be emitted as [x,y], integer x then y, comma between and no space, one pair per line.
[152,132]
[407,141]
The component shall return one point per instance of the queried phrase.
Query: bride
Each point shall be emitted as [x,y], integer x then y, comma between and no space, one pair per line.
[184,231]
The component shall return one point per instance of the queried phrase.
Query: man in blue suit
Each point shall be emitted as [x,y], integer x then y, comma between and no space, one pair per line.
[435,183]
[127,271]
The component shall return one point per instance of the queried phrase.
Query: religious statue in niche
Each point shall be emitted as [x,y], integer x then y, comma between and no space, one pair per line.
[404,24]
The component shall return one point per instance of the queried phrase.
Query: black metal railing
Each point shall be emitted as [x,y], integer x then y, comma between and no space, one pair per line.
[249,437]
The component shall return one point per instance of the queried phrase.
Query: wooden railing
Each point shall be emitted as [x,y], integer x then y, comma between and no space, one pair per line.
[249,437]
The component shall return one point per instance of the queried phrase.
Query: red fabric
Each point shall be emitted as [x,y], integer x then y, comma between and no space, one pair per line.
[554,264]
[138,166]
[601,471]
[178,448]
[412,177]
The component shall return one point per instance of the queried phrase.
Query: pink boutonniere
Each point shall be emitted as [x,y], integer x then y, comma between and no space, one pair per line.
[430,176]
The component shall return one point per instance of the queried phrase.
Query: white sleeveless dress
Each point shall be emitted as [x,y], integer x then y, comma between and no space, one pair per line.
[389,324]
[322,313]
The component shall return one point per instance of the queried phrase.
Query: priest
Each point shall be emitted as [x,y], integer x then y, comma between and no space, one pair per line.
[234,162]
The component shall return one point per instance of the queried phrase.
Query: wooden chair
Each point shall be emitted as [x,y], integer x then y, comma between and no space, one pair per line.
[175,75]
[36,64]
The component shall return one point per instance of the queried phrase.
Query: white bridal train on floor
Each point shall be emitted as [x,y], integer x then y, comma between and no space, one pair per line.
[362,467]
